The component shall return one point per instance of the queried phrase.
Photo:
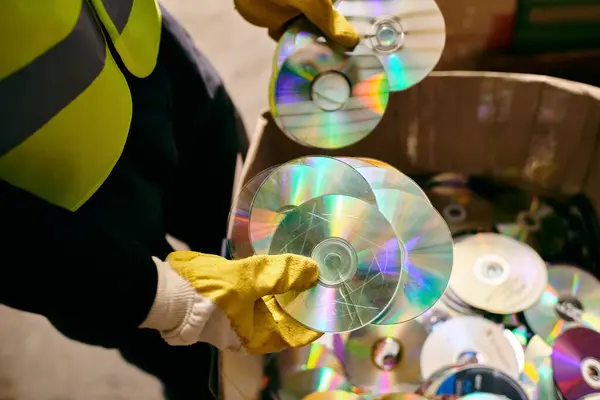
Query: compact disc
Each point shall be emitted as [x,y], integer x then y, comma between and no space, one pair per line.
[572,297]
[303,383]
[382,357]
[331,395]
[537,378]
[497,274]
[328,100]
[576,363]
[468,339]
[427,244]
[359,258]
[313,356]
[240,245]
[355,162]
[295,182]
[408,36]
[479,379]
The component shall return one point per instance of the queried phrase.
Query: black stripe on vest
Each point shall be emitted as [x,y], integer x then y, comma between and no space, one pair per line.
[33,95]
[118,11]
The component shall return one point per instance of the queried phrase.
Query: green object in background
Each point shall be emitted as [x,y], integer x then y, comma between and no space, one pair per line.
[556,25]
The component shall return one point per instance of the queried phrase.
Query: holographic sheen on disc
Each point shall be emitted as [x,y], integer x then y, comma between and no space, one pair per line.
[571,298]
[381,358]
[467,339]
[408,36]
[303,383]
[391,178]
[240,245]
[537,378]
[576,363]
[300,33]
[313,356]
[295,182]
[427,244]
[359,257]
[497,273]
[326,99]
[331,395]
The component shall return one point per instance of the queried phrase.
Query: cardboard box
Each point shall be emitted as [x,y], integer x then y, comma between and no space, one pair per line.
[536,131]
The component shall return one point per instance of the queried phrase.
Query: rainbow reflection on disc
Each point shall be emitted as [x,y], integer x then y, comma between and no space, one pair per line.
[326,99]
[300,33]
[359,258]
[240,245]
[571,298]
[382,358]
[408,36]
[331,395]
[391,178]
[576,363]
[428,251]
[315,355]
[537,378]
[295,182]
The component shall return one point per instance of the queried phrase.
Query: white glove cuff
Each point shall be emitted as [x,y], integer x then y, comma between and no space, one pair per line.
[185,317]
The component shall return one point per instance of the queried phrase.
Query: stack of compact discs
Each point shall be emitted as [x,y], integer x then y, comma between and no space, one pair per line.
[384,253]
[324,96]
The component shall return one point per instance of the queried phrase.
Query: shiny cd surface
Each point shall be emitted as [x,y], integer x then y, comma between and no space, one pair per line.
[379,358]
[303,383]
[576,363]
[240,245]
[408,36]
[537,378]
[391,178]
[295,182]
[355,162]
[468,340]
[300,33]
[427,244]
[359,258]
[571,297]
[331,395]
[497,273]
[480,379]
[328,100]
[313,356]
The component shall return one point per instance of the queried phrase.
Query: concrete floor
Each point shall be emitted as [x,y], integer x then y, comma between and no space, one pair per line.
[37,363]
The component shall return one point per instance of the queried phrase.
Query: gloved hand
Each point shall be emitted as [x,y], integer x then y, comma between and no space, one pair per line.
[230,304]
[274,14]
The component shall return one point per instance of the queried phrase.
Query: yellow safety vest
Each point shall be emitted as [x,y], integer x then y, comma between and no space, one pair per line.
[65,106]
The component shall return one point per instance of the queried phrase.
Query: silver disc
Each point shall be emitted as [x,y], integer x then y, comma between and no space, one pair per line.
[408,36]
[571,298]
[468,340]
[328,100]
[427,244]
[359,258]
[295,182]
[380,359]
[497,273]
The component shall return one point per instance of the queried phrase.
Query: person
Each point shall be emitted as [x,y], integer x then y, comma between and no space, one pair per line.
[115,130]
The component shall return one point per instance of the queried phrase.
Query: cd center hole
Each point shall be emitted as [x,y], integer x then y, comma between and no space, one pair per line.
[470,357]
[594,373]
[494,270]
[333,261]
[330,91]
[387,353]
[386,35]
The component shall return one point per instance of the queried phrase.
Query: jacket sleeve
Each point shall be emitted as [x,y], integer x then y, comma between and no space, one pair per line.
[74,273]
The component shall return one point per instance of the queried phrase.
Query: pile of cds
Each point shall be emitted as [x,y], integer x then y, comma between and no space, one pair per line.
[325,96]
[384,253]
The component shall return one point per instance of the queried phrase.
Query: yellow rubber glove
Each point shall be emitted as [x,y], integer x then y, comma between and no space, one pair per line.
[230,304]
[274,14]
